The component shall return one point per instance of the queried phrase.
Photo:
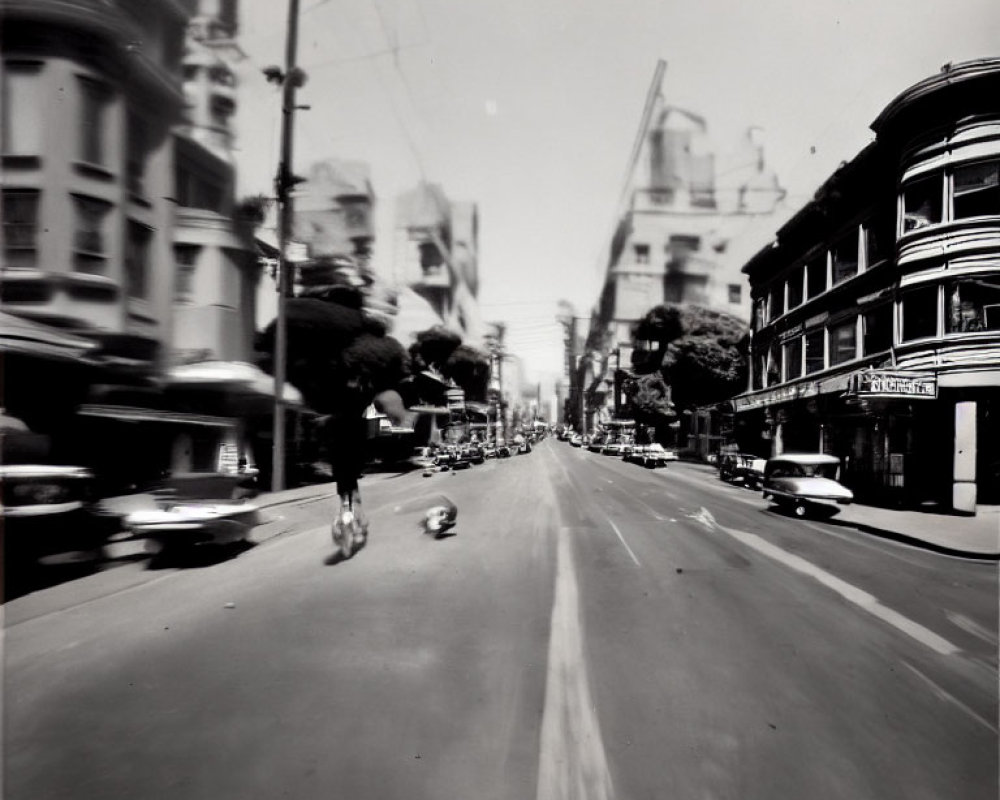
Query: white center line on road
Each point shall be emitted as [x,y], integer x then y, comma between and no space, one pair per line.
[572,763]
[949,698]
[848,591]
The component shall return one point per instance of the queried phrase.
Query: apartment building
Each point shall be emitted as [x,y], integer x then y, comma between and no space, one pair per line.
[876,310]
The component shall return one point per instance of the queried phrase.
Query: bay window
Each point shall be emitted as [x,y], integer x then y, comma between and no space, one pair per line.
[876,329]
[920,313]
[976,190]
[972,304]
[922,203]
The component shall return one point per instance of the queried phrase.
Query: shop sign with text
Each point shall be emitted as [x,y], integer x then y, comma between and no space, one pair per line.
[901,385]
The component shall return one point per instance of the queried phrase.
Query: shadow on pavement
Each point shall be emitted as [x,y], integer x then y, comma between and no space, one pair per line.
[202,555]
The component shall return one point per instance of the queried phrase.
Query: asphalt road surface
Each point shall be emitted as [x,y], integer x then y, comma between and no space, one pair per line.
[592,629]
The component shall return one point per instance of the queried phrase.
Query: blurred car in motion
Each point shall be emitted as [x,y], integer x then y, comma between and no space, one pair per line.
[803,481]
[49,511]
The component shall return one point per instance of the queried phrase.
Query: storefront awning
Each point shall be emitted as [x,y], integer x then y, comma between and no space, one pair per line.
[26,337]
[234,377]
[138,414]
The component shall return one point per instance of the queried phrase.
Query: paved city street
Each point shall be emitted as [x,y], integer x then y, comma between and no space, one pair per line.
[589,629]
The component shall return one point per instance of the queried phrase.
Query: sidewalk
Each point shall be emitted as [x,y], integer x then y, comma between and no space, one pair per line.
[948,534]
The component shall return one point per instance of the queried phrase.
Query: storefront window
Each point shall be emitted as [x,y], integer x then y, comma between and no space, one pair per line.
[816,277]
[845,259]
[844,341]
[922,203]
[920,313]
[977,190]
[877,329]
[795,288]
[973,304]
[815,360]
[793,358]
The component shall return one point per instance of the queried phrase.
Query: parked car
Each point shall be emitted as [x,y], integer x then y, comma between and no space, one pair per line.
[651,455]
[744,468]
[576,440]
[183,524]
[612,448]
[803,481]
[47,512]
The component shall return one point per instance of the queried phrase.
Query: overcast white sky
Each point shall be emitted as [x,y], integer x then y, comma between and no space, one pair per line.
[530,107]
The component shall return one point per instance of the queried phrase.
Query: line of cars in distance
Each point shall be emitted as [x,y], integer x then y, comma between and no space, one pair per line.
[646,455]
[451,456]
[804,484]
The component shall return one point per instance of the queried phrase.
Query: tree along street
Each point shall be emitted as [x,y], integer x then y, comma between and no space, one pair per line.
[591,629]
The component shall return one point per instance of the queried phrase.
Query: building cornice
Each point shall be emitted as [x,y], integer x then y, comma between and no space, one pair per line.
[950,76]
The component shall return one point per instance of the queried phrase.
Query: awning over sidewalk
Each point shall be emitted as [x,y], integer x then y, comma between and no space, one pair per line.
[138,414]
[26,337]
[235,377]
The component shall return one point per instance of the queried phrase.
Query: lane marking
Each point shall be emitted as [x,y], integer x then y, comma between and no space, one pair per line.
[947,697]
[622,540]
[614,527]
[572,763]
[849,592]
[969,626]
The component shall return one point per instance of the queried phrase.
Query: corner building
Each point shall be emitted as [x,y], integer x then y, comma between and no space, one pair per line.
[876,310]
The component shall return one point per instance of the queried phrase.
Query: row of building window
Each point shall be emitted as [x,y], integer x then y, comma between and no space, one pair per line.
[965,305]
[854,252]
[90,242]
[964,192]
[21,132]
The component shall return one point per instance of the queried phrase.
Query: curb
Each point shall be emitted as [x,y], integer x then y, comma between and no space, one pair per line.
[896,536]
[914,541]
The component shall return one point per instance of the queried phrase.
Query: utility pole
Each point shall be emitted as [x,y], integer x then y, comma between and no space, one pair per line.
[290,79]
[496,366]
